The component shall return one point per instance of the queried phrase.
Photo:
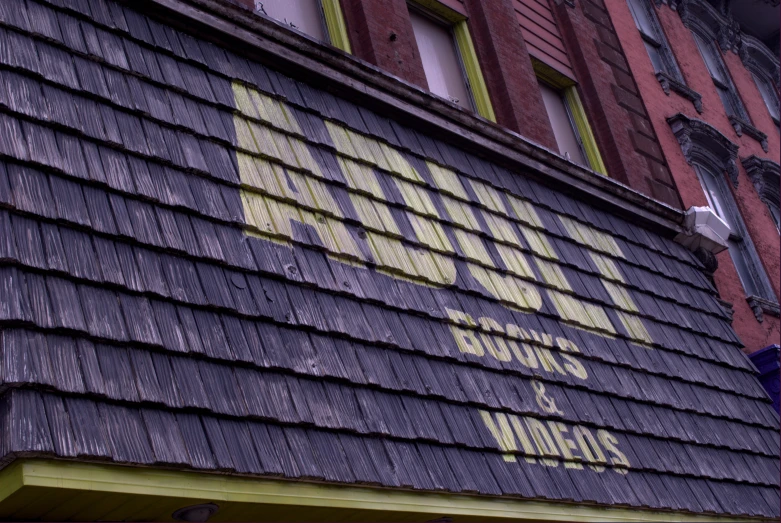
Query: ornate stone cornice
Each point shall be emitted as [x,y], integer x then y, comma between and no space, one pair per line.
[703,143]
[721,25]
[766,177]
[741,126]
[761,306]
[759,59]
[669,83]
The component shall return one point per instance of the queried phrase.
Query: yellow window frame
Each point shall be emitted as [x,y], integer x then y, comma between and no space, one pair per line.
[334,22]
[568,87]
[466,49]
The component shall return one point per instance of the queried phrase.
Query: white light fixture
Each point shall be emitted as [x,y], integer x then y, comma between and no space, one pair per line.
[704,228]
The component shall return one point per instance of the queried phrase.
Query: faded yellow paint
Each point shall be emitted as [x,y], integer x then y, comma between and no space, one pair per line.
[591,237]
[487,336]
[500,429]
[634,325]
[553,443]
[538,243]
[488,196]
[553,275]
[525,211]
[360,177]
[461,214]
[566,445]
[297,193]
[447,180]
[582,313]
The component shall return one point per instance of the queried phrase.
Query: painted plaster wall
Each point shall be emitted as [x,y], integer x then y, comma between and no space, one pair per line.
[755,214]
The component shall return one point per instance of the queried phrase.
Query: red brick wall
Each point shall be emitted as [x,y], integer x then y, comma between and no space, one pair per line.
[508,71]
[617,114]
[761,228]
[381,33]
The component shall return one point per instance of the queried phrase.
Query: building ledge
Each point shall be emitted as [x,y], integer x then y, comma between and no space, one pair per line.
[669,83]
[31,488]
[761,306]
[741,126]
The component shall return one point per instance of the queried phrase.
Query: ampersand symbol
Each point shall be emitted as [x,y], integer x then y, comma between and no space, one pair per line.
[546,404]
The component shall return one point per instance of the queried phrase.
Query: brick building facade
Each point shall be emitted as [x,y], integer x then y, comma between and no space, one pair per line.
[430,260]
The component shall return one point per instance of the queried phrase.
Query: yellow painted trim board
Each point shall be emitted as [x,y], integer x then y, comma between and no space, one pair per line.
[337,28]
[200,487]
[438,8]
[584,129]
[473,72]
[551,75]
[11,480]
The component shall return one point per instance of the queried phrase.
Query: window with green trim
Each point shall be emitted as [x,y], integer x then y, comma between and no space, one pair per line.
[448,56]
[560,116]
[320,19]
[571,128]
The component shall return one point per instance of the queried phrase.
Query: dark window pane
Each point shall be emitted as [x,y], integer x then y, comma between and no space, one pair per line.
[304,15]
[712,59]
[642,18]
[776,214]
[769,95]
[727,100]
[656,57]
[441,61]
[741,260]
[566,135]
[724,206]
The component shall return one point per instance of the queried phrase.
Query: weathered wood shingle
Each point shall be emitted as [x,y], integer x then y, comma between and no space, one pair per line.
[208,265]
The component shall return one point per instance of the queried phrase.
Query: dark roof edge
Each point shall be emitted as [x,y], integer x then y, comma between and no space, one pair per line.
[226,23]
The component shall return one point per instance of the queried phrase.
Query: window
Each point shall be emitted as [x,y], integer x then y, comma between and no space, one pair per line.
[449,58]
[766,176]
[714,158]
[769,95]
[567,138]
[441,60]
[750,271]
[568,118]
[653,38]
[320,19]
[718,72]
[775,213]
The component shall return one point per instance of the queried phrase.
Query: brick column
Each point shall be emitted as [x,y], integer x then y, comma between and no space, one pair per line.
[627,141]
[381,33]
[508,70]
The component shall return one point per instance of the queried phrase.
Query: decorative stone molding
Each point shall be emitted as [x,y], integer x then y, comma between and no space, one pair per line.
[669,83]
[766,177]
[701,142]
[741,126]
[758,58]
[761,306]
[724,28]
[729,36]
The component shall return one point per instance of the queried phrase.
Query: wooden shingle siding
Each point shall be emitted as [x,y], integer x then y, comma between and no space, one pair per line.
[542,36]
